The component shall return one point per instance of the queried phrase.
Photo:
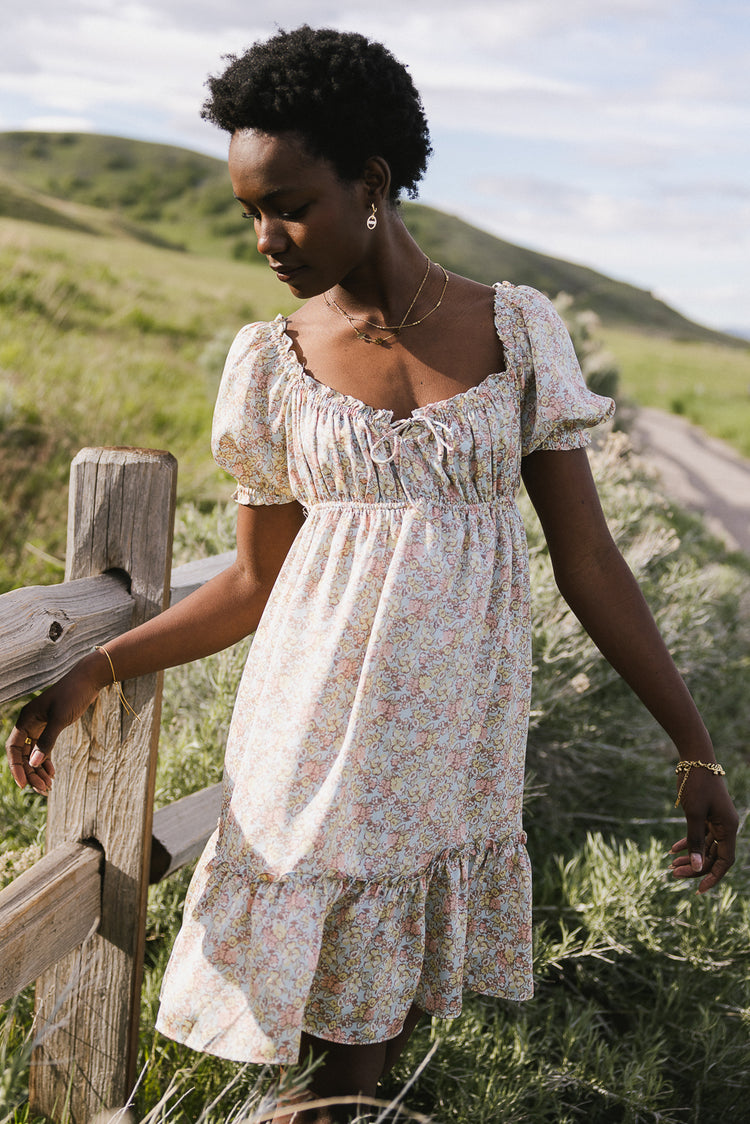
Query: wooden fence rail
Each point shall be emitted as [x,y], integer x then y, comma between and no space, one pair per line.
[49,628]
[75,921]
[60,895]
[46,629]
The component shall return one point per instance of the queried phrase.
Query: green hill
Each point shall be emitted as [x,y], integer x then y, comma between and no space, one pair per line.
[111,335]
[106,341]
[172,197]
[484,257]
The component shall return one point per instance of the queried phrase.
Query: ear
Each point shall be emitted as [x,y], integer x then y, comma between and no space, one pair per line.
[376,175]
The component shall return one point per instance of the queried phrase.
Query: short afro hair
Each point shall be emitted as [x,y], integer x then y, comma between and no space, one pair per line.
[346,96]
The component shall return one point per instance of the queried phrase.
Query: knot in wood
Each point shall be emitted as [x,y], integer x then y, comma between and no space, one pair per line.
[55,630]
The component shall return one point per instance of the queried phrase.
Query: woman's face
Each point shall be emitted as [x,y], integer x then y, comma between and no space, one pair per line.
[310,224]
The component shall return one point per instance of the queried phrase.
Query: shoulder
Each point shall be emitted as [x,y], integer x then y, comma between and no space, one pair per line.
[257,359]
[257,369]
[523,297]
[516,306]
[256,340]
[469,295]
[468,305]
[534,314]
[526,299]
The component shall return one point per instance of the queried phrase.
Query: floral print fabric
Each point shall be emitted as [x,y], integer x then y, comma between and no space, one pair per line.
[370,851]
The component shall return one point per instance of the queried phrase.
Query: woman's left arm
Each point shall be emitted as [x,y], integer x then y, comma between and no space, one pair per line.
[597,584]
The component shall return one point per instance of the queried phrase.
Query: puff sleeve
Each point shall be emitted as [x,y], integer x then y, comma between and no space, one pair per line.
[556,405]
[249,428]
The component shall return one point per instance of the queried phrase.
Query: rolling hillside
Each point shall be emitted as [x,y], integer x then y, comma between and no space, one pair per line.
[175,198]
[124,274]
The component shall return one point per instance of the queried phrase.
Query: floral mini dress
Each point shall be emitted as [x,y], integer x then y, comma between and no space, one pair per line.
[370,850]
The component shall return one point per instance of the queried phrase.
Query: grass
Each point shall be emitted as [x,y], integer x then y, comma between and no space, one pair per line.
[642,1005]
[708,384]
[631,1021]
[106,342]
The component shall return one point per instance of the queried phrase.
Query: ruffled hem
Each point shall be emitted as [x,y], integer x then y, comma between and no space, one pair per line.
[344,958]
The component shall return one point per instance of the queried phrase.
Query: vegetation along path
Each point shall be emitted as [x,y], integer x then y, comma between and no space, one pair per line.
[703,474]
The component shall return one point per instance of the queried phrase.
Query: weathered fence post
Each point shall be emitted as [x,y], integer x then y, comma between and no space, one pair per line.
[121,516]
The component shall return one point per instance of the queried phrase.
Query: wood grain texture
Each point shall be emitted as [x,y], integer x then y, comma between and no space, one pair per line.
[45,630]
[48,911]
[121,515]
[182,829]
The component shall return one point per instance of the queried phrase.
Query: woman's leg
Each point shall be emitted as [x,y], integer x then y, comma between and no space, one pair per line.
[395,1046]
[345,1071]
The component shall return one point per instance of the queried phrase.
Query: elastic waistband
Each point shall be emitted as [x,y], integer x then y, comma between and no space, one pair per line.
[419,506]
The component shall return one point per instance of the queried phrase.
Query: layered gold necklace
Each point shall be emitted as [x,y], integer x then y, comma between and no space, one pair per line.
[393,329]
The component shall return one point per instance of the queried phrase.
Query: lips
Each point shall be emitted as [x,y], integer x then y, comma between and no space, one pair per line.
[287,273]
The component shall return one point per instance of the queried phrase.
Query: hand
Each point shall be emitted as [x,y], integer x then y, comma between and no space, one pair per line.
[19,749]
[41,721]
[712,823]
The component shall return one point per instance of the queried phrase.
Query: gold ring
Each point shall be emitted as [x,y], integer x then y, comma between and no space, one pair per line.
[28,741]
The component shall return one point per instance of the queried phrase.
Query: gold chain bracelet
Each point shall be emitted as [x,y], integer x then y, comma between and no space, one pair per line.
[115,682]
[686,766]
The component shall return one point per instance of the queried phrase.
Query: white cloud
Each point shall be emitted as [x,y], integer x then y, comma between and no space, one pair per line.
[654,242]
[57,123]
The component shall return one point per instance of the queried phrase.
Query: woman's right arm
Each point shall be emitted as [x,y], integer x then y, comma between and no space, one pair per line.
[220,613]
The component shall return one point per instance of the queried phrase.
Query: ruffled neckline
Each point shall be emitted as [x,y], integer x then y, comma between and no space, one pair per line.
[351,404]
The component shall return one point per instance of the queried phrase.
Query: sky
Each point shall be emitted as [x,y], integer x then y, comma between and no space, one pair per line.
[615,133]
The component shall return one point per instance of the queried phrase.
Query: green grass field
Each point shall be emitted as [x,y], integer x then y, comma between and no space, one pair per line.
[707,383]
[172,196]
[106,341]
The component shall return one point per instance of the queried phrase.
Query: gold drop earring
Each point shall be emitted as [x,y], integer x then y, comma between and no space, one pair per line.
[372,220]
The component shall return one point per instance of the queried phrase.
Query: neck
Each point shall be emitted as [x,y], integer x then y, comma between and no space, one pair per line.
[382,287]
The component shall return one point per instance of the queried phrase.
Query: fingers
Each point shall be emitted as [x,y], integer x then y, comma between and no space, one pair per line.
[40,723]
[29,746]
[712,824]
[694,860]
[28,765]
[14,751]
[714,863]
[719,869]
[696,842]
[45,741]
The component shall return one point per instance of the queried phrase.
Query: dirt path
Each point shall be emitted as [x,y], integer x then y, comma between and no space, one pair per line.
[701,473]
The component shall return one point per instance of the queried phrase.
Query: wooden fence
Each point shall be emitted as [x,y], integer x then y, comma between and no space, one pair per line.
[75,922]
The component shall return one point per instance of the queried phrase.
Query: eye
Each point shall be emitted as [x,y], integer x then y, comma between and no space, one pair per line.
[249,215]
[294,216]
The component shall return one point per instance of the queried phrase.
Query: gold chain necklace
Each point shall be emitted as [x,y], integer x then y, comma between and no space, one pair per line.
[383,327]
[394,330]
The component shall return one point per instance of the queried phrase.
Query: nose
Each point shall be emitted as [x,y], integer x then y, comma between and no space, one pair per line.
[272,238]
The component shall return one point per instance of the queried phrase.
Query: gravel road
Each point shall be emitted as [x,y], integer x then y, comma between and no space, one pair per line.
[699,472]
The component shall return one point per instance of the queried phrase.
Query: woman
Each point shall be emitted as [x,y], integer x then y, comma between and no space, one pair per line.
[369,862]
